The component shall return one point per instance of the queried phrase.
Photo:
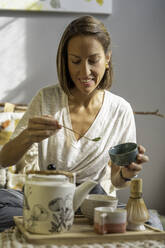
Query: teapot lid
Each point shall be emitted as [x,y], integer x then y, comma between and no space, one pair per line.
[54,178]
[55,175]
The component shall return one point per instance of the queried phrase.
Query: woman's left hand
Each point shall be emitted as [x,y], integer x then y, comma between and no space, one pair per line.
[134,168]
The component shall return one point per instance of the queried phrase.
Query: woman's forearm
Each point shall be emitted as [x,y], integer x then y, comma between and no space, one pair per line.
[13,151]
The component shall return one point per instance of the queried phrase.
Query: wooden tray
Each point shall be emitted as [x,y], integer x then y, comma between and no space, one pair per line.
[82,233]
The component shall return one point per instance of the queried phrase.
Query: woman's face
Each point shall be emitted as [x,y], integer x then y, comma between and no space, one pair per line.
[86,62]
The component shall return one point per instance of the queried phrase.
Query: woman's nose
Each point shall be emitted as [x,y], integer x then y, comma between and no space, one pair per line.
[85,69]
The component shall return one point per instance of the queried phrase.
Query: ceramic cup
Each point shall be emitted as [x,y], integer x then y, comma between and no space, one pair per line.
[123,154]
[110,220]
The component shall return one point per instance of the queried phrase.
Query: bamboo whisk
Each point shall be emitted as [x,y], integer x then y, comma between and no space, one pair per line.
[137,212]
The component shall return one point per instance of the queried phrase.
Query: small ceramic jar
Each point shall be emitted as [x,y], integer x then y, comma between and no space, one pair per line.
[110,220]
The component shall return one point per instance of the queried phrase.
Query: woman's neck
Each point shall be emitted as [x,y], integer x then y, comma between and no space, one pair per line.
[79,99]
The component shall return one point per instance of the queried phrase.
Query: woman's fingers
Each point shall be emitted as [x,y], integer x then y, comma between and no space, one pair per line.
[141,149]
[135,167]
[141,158]
[38,126]
[128,173]
[42,127]
[132,170]
[43,122]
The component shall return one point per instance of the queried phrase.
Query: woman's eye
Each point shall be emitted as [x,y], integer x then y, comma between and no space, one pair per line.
[93,61]
[76,62]
[90,61]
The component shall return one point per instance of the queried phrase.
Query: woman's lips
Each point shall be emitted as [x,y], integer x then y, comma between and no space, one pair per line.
[87,83]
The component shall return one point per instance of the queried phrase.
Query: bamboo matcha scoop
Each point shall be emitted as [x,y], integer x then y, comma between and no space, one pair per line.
[95,139]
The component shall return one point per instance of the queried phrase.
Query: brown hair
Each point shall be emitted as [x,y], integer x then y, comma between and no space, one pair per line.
[85,25]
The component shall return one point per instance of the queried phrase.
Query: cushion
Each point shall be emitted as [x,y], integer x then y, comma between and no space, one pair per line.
[15,180]
[8,122]
[28,162]
[14,177]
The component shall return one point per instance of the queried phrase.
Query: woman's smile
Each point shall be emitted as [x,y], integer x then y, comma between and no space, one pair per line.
[87,82]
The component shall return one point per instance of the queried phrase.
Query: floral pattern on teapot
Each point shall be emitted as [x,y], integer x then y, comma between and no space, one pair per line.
[62,213]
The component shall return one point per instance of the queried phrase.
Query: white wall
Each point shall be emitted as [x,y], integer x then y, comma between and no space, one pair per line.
[28,45]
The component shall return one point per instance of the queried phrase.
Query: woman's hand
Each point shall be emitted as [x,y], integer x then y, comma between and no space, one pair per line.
[134,168]
[41,127]
[128,172]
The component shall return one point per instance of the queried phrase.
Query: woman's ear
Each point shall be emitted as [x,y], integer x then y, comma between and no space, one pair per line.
[108,56]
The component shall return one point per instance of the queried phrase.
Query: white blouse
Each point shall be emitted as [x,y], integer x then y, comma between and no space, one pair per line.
[114,124]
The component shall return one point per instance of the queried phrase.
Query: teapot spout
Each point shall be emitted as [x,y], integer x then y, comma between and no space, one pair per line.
[81,192]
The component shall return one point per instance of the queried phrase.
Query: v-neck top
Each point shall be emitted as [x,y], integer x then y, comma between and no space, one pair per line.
[88,160]
[91,131]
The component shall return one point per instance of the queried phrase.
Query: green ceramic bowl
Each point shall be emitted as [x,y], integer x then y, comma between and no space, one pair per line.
[123,154]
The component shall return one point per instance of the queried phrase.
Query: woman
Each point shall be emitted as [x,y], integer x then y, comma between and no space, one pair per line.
[81,101]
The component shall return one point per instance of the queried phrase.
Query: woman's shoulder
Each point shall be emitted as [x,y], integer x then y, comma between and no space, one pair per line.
[117,100]
[46,96]
[50,89]
[50,93]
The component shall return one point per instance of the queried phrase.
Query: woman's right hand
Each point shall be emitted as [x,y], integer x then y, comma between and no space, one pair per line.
[41,127]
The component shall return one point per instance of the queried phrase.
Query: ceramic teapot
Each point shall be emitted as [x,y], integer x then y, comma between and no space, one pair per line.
[50,200]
